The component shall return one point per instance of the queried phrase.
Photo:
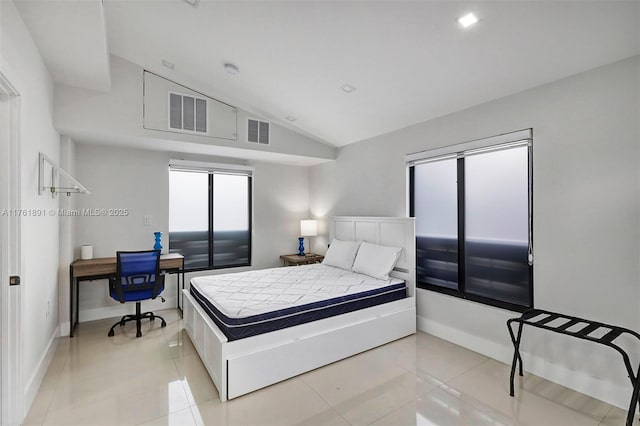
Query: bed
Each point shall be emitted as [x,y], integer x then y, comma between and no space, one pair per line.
[248,346]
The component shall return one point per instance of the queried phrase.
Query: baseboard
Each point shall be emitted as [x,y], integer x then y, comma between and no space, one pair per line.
[606,391]
[34,382]
[470,341]
[125,308]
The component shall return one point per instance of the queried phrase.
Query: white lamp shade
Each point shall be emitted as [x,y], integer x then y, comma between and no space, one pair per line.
[308,228]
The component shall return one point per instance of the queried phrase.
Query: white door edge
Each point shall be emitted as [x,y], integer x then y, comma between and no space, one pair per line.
[11,389]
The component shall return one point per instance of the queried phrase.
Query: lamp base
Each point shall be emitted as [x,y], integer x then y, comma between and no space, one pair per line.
[301,246]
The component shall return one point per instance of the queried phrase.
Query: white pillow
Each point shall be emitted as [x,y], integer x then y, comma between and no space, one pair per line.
[375,260]
[341,254]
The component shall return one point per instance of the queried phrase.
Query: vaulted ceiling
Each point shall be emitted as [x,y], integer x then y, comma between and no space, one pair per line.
[408,61]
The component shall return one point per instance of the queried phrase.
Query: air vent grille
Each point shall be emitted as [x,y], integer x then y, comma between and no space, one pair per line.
[187,113]
[258,131]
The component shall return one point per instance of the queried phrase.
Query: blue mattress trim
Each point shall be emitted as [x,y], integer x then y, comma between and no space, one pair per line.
[238,328]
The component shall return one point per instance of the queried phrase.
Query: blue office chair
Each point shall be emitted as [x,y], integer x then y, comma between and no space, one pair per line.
[137,278]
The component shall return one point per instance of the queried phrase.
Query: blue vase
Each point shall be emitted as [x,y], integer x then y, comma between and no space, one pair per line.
[301,246]
[158,244]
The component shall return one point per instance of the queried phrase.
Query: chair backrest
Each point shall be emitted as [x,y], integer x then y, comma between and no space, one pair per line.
[137,271]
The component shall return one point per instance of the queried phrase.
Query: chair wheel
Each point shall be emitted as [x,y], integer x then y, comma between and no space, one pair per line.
[164,323]
[110,333]
[121,323]
[153,318]
[139,334]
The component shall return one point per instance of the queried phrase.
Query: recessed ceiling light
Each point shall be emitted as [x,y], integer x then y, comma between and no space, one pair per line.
[193,3]
[231,69]
[168,64]
[467,20]
[290,118]
[347,88]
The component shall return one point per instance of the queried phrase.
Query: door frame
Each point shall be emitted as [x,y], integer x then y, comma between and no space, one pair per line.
[11,389]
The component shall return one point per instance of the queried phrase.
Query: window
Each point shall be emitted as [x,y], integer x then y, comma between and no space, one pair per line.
[472,204]
[210,215]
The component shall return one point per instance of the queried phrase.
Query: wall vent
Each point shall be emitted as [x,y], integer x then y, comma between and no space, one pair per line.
[188,113]
[258,131]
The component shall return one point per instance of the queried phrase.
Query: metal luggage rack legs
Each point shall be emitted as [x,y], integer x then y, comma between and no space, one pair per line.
[541,319]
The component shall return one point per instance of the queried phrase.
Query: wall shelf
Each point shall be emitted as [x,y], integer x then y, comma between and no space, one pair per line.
[55,171]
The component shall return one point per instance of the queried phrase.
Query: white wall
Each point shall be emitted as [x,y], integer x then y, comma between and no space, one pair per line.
[119,178]
[22,64]
[138,180]
[586,216]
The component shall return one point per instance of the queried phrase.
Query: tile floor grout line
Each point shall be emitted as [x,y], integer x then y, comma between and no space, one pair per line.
[182,382]
[322,398]
[57,382]
[393,411]
[412,400]
[182,385]
[446,382]
[606,414]
[167,415]
[446,385]
[525,391]
[476,404]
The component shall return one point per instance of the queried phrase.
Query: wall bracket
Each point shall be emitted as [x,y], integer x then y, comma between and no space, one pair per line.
[74,187]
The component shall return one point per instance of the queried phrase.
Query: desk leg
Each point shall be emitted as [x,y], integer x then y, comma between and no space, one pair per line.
[77,304]
[180,288]
[178,295]
[72,319]
[181,293]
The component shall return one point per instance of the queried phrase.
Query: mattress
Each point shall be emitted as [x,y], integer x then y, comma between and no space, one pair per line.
[249,303]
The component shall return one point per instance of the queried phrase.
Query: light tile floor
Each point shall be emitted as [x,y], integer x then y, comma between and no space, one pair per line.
[419,380]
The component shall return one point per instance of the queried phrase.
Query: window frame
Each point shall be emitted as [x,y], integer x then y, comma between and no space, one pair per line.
[221,169]
[460,151]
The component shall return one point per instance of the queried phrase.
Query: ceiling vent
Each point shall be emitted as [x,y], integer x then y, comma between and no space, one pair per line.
[258,131]
[187,113]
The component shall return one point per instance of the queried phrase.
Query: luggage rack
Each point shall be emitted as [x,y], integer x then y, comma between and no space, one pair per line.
[530,317]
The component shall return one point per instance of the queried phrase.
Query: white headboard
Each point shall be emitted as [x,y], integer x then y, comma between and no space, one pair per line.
[386,231]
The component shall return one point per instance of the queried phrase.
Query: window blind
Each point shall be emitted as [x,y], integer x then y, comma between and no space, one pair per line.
[204,167]
[477,146]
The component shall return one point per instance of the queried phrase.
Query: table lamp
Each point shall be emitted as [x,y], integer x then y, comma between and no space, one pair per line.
[308,228]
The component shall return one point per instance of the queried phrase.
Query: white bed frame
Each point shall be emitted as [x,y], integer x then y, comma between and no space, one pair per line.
[242,366]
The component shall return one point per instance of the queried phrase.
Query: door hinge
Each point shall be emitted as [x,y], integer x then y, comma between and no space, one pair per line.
[14,280]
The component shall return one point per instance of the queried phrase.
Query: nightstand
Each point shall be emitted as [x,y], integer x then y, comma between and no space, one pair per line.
[295,260]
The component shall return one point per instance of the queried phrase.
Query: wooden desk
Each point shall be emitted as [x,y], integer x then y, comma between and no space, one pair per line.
[105,267]
[295,260]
